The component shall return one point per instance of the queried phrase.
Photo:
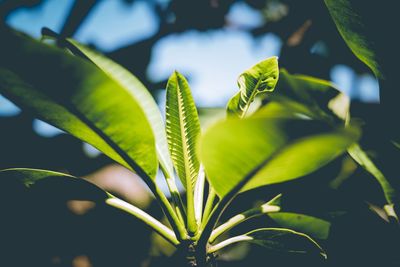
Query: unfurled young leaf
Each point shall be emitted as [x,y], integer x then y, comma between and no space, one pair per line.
[260,78]
[277,239]
[183,130]
[268,148]
[77,97]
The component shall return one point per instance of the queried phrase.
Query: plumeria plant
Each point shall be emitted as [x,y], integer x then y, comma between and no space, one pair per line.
[275,131]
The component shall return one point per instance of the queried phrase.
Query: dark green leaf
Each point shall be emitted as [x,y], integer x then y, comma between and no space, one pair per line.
[277,239]
[309,225]
[320,97]
[63,184]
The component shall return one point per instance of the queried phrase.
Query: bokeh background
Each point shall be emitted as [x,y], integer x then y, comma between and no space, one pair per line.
[211,42]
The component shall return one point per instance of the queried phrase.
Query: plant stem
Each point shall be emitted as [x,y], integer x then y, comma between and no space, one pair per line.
[213,219]
[156,225]
[209,205]
[228,242]
[173,219]
[175,196]
[176,224]
[223,204]
[199,196]
[237,219]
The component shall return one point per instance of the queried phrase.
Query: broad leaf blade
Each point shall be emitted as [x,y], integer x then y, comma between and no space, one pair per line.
[138,91]
[77,97]
[309,225]
[260,78]
[183,130]
[267,148]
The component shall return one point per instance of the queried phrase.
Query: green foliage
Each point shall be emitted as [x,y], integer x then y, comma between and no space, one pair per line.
[303,125]
[183,130]
[285,240]
[362,25]
[267,149]
[319,97]
[77,97]
[312,226]
[352,26]
[278,239]
[260,78]
[142,96]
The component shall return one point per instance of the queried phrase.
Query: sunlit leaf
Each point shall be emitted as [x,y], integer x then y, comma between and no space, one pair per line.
[309,225]
[145,100]
[260,78]
[242,154]
[183,130]
[77,97]
[131,84]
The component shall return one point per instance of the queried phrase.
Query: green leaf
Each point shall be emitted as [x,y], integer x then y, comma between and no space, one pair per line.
[363,25]
[267,148]
[322,99]
[260,78]
[142,96]
[183,130]
[73,187]
[361,157]
[309,225]
[75,96]
[131,84]
[277,239]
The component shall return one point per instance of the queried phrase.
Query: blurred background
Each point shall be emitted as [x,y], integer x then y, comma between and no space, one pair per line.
[211,42]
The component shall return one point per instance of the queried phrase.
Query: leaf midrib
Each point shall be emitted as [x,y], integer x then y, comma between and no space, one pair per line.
[251,97]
